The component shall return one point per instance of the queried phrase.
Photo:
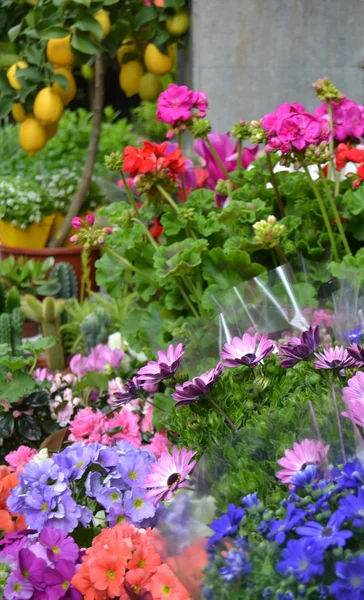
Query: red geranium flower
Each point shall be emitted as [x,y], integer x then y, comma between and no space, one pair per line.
[345,154]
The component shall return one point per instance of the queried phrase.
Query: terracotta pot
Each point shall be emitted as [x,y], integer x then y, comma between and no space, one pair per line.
[70,255]
[30,329]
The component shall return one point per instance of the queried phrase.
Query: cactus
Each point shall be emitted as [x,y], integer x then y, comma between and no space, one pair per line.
[5,329]
[94,328]
[12,299]
[2,298]
[48,314]
[17,321]
[66,276]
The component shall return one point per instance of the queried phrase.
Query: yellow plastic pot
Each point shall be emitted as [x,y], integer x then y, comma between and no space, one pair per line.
[34,236]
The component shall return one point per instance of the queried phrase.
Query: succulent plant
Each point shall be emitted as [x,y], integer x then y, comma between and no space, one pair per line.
[48,314]
[65,274]
[94,328]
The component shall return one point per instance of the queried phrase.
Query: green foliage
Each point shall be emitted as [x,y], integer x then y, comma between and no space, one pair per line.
[29,276]
[94,328]
[65,274]
[146,124]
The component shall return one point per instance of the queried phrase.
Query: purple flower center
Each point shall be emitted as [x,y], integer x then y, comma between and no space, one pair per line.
[251,357]
[306,464]
[172,479]
[336,363]
[327,532]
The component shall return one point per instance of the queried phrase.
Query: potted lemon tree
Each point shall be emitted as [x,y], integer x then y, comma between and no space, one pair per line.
[52,39]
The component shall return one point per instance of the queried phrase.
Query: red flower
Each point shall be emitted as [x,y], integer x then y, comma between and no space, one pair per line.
[152,157]
[175,162]
[156,229]
[136,161]
[345,154]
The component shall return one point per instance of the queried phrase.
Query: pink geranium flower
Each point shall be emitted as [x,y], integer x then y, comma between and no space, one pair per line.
[87,426]
[159,444]
[348,117]
[129,423]
[19,458]
[305,453]
[178,104]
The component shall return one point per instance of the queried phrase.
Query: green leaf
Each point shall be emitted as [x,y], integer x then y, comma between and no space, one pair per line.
[5,107]
[84,536]
[6,425]
[15,389]
[36,399]
[82,41]
[202,199]
[179,258]
[28,428]
[97,380]
[172,226]
[353,201]
[61,79]
[14,32]
[39,345]
[209,225]
[52,32]
[34,55]
[161,37]
[5,87]
[14,362]
[146,14]
[29,75]
[86,22]
[163,403]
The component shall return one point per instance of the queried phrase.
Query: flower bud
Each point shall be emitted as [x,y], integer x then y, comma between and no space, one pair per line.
[74,239]
[325,90]
[77,222]
[90,219]
[241,130]
[201,128]
[114,161]
[271,219]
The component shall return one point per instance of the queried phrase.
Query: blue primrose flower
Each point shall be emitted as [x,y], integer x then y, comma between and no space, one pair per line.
[235,565]
[352,507]
[350,582]
[302,558]
[326,535]
[227,524]
[278,529]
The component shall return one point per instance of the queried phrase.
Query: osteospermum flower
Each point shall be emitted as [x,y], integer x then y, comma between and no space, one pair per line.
[191,391]
[244,351]
[165,367]
[169,473]
[308,452]
[300,348]
[131,388]
[334,358]
[356,352]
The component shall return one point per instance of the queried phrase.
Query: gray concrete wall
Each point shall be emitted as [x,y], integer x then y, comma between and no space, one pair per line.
[249,56]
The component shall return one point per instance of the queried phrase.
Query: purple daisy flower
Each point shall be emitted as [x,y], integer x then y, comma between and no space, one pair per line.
[326,535]
[350,582]
[353,397]
[334,358]
[169,473]
[131,390]
[244,351]
[191,391]
[356,352]
[165,367]
[300,348]
[303,558]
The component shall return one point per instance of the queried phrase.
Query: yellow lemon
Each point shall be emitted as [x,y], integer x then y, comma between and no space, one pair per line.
[18,112]
[130,76]
[127,45]
[157,62]
[11,74]
[179,24]
[48,106]
[149,87]
[68,94]
[32,136]
[59,51]
[51,130]
[103,18]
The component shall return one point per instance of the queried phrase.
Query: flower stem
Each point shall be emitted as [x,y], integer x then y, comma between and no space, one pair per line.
[168,197]
[336,213]
[85,279]
[226,418]
[128,264]
[188,301]
[240,153]
[217,158]
[183,178]
[155,405]
[147,233]
[130,195]
[324,215]
[274,184]
[337,183]
[282,258]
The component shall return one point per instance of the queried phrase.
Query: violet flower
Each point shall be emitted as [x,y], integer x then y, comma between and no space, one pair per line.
[102,357]
[334,358]
[353,397]
[300,349]
[348,117]
[164,368]
[191,391]
[356,352]
[227,151]
[244,351]
[131,390]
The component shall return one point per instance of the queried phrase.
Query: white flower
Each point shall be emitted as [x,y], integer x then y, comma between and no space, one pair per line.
[41,456]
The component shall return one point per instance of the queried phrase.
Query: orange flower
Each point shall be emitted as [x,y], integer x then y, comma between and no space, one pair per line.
[84,585]
[107,573]
[135,581]
[165,586]
[145,557]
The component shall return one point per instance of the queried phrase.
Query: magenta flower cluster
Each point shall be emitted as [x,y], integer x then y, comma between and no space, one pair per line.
[41,565]
[348,117]
[177,104]
[291,128]
[100,358]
